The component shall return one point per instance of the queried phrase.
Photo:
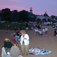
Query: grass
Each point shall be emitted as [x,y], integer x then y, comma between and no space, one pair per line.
[2,25]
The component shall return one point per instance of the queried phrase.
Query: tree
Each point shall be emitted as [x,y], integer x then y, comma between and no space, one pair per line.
[15,15]
[49,20]
[23,15]
[38,19]
[44,20]
[52,16]
[46,14]
[6,14]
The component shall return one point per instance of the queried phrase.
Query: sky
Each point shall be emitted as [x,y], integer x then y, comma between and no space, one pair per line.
[39,7]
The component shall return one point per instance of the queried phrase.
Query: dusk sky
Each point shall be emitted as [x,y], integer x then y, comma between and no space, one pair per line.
[39,7]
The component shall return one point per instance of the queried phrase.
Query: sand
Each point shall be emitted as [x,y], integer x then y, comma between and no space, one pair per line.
[48,42]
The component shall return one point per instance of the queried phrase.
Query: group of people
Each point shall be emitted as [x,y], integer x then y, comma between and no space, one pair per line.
[23,39]
[45,30]
[14,48]
[41,32]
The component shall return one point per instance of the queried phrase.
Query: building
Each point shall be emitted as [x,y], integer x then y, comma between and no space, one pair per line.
[31,16]
[43,17]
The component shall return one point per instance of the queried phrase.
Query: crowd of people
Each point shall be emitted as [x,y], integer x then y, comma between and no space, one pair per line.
[14,45]
[20,38]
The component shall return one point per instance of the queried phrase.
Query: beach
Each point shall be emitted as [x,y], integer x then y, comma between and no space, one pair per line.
[48,42]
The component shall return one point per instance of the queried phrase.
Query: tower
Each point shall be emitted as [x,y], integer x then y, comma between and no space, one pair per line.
[31,9]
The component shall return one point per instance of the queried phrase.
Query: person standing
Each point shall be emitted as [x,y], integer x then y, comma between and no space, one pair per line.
[46,30]
[24,40]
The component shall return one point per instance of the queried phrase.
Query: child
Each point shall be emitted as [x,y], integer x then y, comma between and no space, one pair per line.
[14,51]
[46,30]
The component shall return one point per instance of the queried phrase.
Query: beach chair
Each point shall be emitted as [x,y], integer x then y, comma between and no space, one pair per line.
[39,34]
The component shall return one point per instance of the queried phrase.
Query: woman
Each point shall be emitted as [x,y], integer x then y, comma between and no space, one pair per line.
[24,40]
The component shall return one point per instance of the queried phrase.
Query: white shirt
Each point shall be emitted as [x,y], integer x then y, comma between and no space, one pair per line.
[36,30]
[40,32]
[26,41]
[43,30]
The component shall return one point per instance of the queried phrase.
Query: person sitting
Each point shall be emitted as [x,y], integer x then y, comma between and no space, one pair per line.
[55,32]
[14,51]
[43,30]
[36,30]
[32,28]
[7,43]
[17,36]
[40,32]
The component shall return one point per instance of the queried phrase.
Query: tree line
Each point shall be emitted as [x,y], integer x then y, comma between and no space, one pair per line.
[14,15]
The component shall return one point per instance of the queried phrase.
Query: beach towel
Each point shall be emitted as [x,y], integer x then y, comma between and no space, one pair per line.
[15,36]
[38,51]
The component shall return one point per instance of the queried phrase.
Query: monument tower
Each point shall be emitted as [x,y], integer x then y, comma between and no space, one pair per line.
[31,9]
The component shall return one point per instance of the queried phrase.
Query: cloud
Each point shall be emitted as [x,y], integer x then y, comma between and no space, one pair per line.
[37,12]
[12,7]
[13,2]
